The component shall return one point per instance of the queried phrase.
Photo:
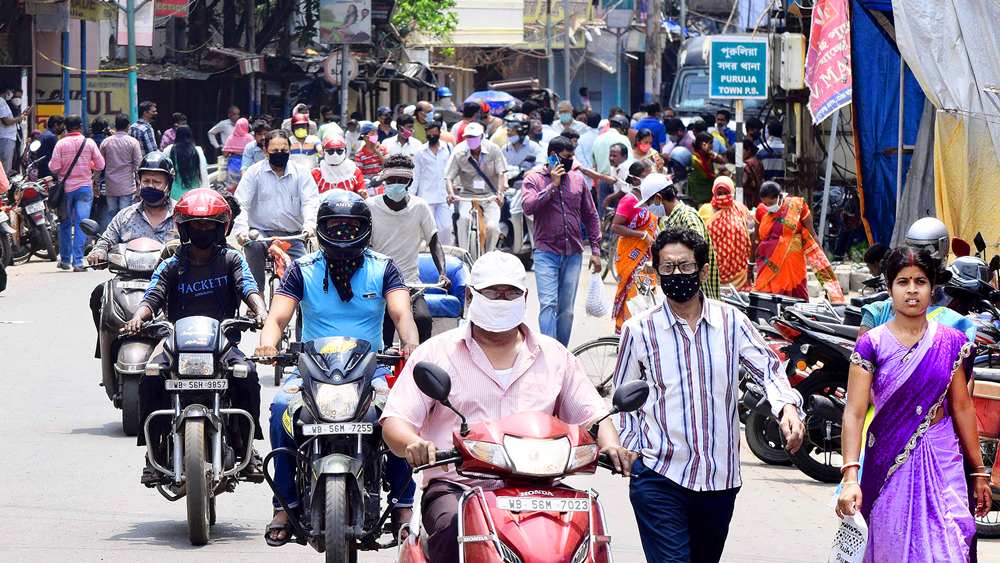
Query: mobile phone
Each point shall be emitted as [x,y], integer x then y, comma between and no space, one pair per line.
[553,161]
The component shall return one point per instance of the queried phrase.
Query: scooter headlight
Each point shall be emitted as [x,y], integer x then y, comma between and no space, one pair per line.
[337,402]
[541,458]
[196,365]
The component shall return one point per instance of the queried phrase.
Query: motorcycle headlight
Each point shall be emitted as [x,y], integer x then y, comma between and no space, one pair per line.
[141,261]
[581,456]
[196,365]
[541,458]
[337,402]
[490,453]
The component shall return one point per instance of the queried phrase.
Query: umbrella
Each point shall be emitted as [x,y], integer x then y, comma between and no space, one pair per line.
[496,99]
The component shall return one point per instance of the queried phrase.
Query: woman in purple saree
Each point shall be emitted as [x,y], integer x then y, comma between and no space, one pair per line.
[913,494]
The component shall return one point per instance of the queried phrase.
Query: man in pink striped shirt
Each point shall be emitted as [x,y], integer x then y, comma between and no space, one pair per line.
[79,189]
[499,367]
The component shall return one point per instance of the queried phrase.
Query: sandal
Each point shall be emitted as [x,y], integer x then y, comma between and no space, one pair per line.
[254,471]
[284,526]
[151,477]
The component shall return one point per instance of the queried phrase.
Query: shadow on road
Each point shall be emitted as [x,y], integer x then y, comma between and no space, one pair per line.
[110,429]
[173,534]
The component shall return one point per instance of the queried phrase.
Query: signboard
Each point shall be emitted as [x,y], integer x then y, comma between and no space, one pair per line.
[332,68]
[44,111]
[171,8]
[345,21]
[143,27]
[250,66]
[91,10]
[107,95]
[382,11]
[737,68]
[828,62]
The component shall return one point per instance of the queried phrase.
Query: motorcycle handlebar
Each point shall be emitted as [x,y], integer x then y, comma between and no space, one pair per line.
[251,239]
[239,323]
[442,457]
[389,358]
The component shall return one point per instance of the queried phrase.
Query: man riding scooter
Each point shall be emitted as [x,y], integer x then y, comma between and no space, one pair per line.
[344,289]
[203,278]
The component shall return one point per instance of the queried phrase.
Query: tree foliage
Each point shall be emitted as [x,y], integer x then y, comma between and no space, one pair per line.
[434,19]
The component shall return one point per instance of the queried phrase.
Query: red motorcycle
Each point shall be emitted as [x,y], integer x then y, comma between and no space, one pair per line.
[533,518]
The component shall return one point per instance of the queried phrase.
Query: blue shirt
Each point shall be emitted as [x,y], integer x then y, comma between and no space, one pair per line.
[252,154]
[657,128]
[325,314]
[880,312]
[48,139]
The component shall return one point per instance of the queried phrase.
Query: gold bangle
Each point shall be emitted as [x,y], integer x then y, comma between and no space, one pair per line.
[846,483]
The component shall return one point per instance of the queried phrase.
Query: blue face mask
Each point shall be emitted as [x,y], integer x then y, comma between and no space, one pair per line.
[565,117]
[513,139]
[657,210]
[152,196]
[395,192]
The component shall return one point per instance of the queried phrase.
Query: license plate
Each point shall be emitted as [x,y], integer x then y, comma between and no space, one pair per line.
[34,207]
[197,384]
[134,284]
[537,504]
[3,216]
[338,428]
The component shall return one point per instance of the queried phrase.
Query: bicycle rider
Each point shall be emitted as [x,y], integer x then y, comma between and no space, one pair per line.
[477,169]
[277,198]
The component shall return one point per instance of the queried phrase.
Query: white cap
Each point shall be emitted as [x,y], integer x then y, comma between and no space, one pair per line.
[473,129]
[498,268]
[653,184]
[409,110]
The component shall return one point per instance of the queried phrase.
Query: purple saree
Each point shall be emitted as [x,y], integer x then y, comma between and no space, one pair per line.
[914,494]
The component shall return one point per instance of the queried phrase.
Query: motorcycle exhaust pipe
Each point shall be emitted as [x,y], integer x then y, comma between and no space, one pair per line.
[824,408]
[755,401]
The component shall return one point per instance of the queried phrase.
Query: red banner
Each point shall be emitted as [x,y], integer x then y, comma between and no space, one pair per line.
[175,8]
[828,63]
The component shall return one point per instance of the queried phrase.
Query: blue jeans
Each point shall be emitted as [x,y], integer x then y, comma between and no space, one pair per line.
[678,524]
[71,238]
[118,202]
[284,466]
[557,278]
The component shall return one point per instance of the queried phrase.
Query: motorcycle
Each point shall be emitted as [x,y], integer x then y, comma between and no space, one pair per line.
[33,228]
[339,452]
[123,358]
[516,228]
[533,516]
[201,455]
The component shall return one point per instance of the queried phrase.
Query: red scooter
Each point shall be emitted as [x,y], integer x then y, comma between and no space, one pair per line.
[533,518]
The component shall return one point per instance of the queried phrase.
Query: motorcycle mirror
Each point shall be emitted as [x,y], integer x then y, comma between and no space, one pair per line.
[34,146]
[90,227]
[631,396]
[432,381]
[995,263]
[960,247]
[529,158]
[979,242]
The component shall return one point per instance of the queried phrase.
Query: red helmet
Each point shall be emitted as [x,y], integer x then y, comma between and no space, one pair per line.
[299,119]
[203,204]
[334,141]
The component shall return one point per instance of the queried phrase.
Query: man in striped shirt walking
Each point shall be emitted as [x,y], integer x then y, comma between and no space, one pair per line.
[689,350]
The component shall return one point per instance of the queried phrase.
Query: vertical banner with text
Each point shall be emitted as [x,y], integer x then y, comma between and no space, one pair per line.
[828,62]
[143,27]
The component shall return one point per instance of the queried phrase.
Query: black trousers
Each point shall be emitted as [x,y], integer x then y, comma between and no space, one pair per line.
[439,518]
[421,316]
[96,297]
[243,394]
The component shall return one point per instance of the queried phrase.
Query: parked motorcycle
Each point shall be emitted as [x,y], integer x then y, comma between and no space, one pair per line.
[123,358]
[339,451]
[533,516]
[201,459]
[516,228]
[34,228]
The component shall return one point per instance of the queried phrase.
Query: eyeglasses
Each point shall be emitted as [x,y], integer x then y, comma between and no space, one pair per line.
[336,151]
[667,268]
[494,294]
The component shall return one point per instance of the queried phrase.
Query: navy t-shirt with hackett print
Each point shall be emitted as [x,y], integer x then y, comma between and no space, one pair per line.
[213,289]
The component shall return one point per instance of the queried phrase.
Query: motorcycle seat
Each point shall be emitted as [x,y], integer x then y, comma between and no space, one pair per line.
[439,303]
[987,374]
[843,331]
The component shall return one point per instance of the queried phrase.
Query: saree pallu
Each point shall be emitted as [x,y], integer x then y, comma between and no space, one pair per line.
[728,229]
[785,247]
[631,255]
[914,493]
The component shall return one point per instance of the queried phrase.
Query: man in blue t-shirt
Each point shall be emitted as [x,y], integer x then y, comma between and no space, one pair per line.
[344,289]
[652,122]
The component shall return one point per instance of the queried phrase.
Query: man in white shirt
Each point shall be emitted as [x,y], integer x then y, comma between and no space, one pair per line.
[403,142]
[585,146]
[218,135]
[8,128]
[400,222]
[429,165]
[690,349]
[564,119]
[276,198]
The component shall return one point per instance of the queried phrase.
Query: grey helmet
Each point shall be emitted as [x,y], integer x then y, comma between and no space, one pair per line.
[931,235]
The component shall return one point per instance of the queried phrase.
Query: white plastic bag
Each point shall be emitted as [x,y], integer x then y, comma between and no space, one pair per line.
[851,540]
[598,304]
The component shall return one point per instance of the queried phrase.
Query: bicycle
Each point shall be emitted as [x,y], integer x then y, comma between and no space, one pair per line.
[476,248]
[276,262]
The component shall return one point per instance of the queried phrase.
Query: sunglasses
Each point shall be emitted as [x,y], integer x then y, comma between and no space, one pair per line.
[339,151]
[494,294]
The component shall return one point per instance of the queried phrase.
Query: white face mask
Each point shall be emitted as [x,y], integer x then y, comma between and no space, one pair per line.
[8,95]
[335,159]
[16,102]
[774,208]
[496,315]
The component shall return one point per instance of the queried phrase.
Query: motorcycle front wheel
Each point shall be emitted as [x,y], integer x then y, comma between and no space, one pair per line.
[198,484]
[339,547]
[764,439]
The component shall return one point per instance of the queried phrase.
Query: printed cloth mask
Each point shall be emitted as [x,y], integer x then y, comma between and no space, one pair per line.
[406,134]
[496,315]
[681,288]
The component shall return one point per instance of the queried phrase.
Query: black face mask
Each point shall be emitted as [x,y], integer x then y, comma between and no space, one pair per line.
[201,239]
[681,288]
[567,163]
[433,139]
[278,159]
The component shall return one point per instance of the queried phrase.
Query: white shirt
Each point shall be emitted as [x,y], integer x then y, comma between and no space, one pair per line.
[223,129]
[621,172]
[585,147]
[393,146]
[287,204]
[398,234]
[689,430]
[428,173]
[7,131]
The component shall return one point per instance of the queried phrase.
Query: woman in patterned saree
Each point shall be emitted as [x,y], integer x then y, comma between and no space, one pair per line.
[787,242]
[913,491]
[636,230]
[726,220]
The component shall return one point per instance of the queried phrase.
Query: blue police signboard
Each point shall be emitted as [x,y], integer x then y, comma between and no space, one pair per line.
[738,68]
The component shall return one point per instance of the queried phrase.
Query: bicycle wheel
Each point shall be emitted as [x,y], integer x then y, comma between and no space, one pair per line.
[599,358]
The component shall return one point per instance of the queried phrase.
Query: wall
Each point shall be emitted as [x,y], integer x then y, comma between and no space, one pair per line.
[50,44]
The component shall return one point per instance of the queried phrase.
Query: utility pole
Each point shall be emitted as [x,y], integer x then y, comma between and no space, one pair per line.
[548,45]
[566,54]
[130,9]
[65,65]
[345,56]
[252,47]
[83,74]
[653,52]
[684,17]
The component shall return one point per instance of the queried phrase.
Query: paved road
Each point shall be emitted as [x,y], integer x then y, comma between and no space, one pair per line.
[70,488]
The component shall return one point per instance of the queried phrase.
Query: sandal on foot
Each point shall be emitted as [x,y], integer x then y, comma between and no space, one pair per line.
[289,534]
[151,477]
[254,471]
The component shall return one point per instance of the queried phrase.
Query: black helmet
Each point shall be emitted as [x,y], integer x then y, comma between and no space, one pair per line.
[520,123]
[156,161]
[619,122]
[338,243]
